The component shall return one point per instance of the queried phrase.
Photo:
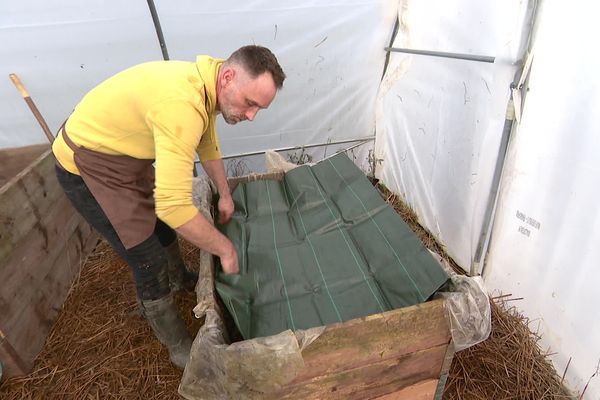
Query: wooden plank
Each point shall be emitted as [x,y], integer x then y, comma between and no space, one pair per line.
[235,181]
[371,380]
[375,338]
[24,200]
[42,244]
[30,262]
[28,333]
[14,160]
[11,361]
[375,355]
[424,390]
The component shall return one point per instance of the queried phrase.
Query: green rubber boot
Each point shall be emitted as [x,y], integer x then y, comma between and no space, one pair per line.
[169,328]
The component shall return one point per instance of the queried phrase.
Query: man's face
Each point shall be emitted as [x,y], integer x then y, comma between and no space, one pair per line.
[241,96]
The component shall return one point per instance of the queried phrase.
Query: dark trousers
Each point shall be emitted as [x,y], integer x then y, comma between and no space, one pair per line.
[147,260]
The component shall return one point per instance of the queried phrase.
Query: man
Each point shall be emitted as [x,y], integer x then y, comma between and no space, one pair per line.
[163,113]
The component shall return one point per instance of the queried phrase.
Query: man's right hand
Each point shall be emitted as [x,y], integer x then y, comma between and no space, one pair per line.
[203,234]
[229,262]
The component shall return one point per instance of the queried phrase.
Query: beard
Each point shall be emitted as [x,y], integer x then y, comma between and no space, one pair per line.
[232,117]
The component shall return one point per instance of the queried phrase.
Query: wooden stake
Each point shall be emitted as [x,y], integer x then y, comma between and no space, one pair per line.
[15,79]
[12,362]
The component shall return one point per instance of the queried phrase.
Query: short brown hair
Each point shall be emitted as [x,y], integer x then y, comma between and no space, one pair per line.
[257,60]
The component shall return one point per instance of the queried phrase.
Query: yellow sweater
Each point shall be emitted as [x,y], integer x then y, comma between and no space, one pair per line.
[163,111]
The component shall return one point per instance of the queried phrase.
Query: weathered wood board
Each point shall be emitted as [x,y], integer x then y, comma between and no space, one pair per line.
[15,160]
[376,356]
[43,242]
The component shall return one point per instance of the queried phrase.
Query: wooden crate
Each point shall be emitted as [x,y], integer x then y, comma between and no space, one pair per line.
[403,354]
[43,242]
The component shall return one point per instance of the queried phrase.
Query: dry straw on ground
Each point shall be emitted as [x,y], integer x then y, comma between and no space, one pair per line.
[101,348]
[509,365]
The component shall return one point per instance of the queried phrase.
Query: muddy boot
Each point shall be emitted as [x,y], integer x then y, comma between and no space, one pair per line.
[179,277]
[169,328]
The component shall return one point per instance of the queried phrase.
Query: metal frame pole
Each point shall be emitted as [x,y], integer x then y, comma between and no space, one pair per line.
[306,146]
[458,56]
[159,33]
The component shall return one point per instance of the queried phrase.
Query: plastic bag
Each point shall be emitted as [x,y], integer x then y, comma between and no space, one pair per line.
[275,162]
[468,308]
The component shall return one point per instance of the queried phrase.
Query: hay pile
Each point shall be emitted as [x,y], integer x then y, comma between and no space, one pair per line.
[100,346]
[509,365]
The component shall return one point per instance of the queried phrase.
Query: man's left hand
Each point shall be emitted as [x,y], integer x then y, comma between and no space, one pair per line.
[226,208]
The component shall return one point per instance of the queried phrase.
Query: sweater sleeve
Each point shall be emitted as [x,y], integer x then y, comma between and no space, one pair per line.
[177,127]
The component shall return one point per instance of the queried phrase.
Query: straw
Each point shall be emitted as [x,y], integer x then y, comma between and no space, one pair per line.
[508,365]
[101,347]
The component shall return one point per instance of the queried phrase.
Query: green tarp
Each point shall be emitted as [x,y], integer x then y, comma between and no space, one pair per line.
[320,247]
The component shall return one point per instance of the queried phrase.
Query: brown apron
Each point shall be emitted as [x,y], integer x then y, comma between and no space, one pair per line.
[123,187]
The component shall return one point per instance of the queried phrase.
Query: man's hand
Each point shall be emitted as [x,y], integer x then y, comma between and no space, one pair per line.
[229,262]
[204,235]
[226,209]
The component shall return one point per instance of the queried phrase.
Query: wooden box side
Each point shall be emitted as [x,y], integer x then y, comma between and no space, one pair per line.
[15,160]
[235,181]
[375,355]
[43,242]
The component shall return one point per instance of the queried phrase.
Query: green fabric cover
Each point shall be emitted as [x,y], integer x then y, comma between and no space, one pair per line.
[320,247]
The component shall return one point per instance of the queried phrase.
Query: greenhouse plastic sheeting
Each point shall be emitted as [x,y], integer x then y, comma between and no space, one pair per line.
[439,121]
[319,247]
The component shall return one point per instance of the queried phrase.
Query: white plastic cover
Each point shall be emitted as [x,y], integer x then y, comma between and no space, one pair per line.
[545,242]
[467,307]
[439,121]
[331,51]
[60,50]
